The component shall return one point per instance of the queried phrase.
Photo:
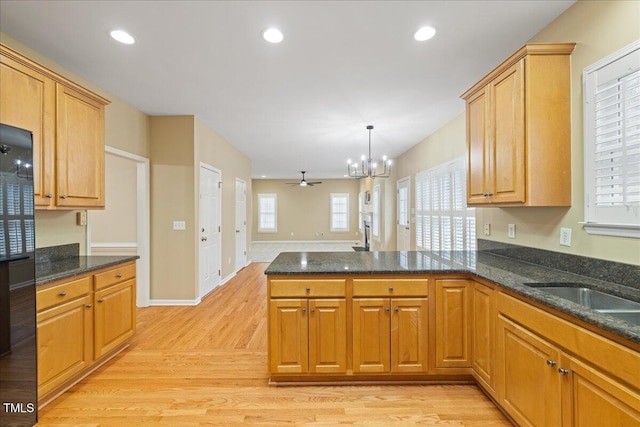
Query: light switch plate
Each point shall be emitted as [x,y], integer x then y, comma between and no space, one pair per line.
[179,225]
[565,236]
[511,231]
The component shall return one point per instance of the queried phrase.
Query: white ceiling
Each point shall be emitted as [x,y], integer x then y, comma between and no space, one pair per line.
[302,104]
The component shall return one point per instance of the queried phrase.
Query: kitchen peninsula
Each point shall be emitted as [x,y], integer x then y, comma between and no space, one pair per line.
[459,317]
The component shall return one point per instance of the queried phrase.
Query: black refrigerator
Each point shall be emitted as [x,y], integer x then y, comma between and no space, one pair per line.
[18,359]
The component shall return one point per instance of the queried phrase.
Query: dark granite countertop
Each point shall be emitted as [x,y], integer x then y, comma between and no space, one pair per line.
[49,271]
[509,273]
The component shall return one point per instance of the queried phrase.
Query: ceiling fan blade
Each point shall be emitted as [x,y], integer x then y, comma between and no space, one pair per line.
[314,182]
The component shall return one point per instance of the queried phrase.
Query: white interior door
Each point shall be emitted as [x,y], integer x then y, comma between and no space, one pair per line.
[404,229]
[241,224]
[210,229]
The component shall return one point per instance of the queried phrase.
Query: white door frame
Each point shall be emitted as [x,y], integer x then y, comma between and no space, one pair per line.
[399,182]
[219,214]
[241,262]
[143,242]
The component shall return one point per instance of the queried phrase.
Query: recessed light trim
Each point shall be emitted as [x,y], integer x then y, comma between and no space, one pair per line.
[122,37]
[272,35]
[424,33]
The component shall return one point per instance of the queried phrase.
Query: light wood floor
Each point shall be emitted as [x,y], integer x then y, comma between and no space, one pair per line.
[207,366]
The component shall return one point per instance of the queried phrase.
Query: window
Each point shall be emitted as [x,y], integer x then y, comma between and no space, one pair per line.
[17,233]
[612,144]
[443,220]
[339,212]
[375,214]
[267,213]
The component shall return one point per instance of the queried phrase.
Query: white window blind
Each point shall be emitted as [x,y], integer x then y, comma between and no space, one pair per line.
[339,212]
[375,214]
[443,220]
[612,144]
[17,234]
[267,213]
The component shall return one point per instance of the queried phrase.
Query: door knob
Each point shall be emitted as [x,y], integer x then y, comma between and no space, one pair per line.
[203,239]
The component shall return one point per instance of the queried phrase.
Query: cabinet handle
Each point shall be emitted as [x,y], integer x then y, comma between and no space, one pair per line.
[563,371]
[101,300]
[63,196]
[118,276]
[49,196]
[551,363]
[390,288]
[308,290]
[313,310]
[386,309]
[395,310]
[63,294]
[304,310]
[89,305]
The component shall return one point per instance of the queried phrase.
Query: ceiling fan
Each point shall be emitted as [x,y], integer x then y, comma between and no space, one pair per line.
[303,182]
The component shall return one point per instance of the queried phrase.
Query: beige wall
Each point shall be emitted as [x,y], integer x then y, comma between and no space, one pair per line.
[303,212]
[212,149]
[599,28]
[125,128]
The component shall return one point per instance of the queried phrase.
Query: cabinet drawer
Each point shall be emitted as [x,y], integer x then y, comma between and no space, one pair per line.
[115,275]
[390,287]
[63,292]
[308,288]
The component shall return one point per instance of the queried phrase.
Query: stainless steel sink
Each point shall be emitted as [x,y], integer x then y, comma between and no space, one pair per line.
[614,306]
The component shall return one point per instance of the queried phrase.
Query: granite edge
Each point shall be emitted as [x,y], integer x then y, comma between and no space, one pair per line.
[109,261]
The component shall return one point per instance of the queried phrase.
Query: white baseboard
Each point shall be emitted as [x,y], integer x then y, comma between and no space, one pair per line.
[161,302]
[266,242]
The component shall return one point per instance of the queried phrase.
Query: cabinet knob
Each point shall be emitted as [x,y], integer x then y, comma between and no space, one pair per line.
[313,310]
[101,300]
[563,371]
[390,288]
[386,309]
[49,196]
[63,294]
[308,290]
[395,310]
[304,310]
[63,196]
[118,276]
[551,363]
[89,305]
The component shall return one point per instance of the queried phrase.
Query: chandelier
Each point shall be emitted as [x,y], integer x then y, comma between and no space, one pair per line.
[368,168]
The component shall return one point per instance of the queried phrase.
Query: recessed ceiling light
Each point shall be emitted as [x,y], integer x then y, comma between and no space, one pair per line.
[122,37]
[424,33]
[272,35]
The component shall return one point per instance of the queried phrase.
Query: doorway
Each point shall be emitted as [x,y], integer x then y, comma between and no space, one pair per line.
[404,230]
[209,228]
[241,224]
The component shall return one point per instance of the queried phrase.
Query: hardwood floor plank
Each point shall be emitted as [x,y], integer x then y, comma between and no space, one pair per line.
[207,366]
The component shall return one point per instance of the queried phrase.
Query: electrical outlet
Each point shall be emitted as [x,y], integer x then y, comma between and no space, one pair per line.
[179,225]
[565,236]
[487,229]
[81,218]
[511,231]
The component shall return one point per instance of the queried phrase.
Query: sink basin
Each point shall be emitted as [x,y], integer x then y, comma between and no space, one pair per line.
[590,298]
[614,306]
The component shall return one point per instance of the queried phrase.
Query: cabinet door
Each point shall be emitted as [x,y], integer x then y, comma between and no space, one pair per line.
[478,149]
[79,149]
[529,384]
[592,398]
[27,101]
[507,136]
[453,341]
[65,343]
[409,338]
[482,333]
[327,336]
[115,316]
[288,336]
[371,325]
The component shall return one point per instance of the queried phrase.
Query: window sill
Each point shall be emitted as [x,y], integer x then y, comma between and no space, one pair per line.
[616,230]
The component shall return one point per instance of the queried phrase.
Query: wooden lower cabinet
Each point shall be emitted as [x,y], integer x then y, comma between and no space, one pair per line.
[307,336]
[453,315]
[65,342]
[483,335]
[390,335]
[79,326]
[528,381]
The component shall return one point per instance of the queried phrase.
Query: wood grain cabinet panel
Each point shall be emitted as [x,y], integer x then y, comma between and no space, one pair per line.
[115,316]
[67,122]
[327,336]
[288,336]
[483,335]
[519,130]
[453,314]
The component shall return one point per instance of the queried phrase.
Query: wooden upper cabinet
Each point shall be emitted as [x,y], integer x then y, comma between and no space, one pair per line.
[67,122]
[519,130]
